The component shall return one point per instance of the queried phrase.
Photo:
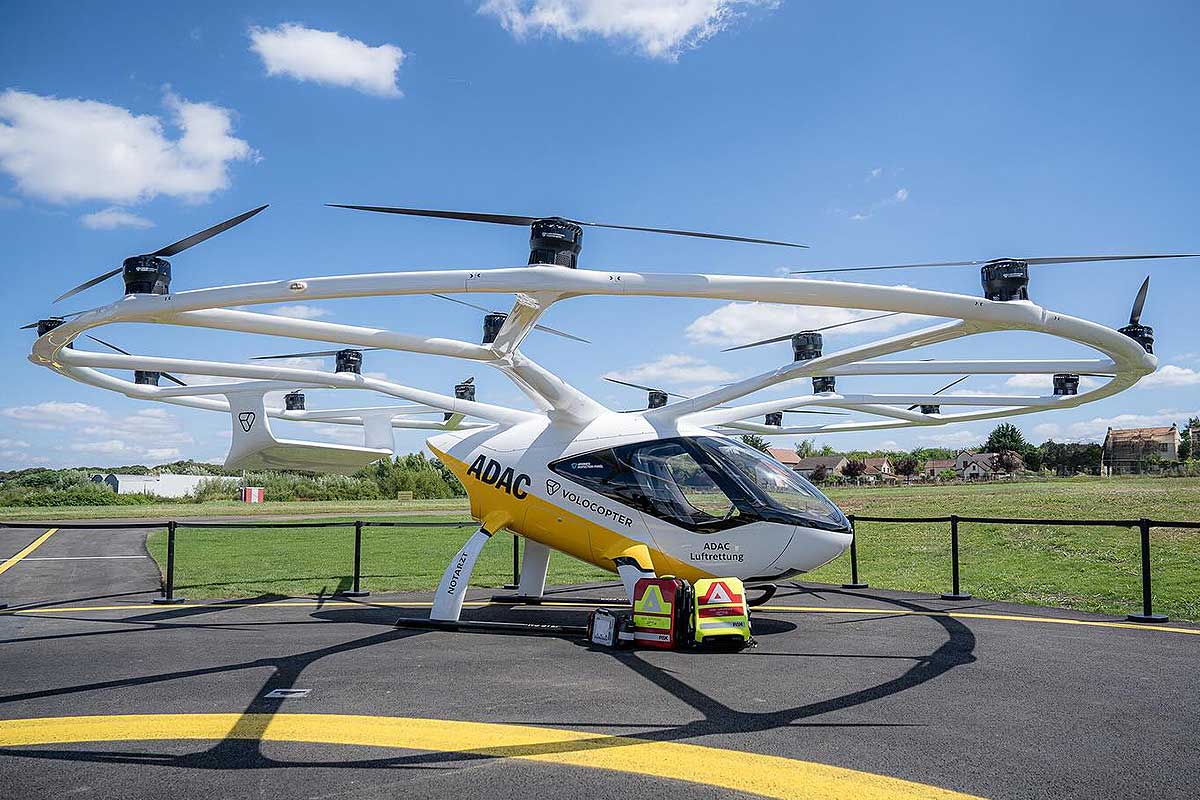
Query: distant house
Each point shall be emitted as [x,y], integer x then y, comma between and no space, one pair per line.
[878,470]
[166,485]
[833,465]
[784,456]
[936,466]
[974,466]
[1130,450]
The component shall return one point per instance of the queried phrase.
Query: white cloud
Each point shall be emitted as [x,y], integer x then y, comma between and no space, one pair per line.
[658,28]
[53,414]
[328,57]
[674,369]
[66,150]
[148,433]
[300,311]
[114,217]
[956,438]
[14,443]
[859,216]
[740,323]
[875,173]
[901,195]
[1171,375]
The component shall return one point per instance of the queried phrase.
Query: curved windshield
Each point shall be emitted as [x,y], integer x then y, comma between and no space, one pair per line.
[781,487]
[704,484]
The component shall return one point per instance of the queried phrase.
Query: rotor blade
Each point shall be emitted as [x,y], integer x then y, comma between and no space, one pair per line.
[557,332]
[1035,260]
[949,385]
[469,216]
[696,234]
[512,219]
[646,388]
[207,233]
[469,381]
[87,284]
[33,324]
[468,305]
[1135,316]
[112,346]
[826,328]
[315,353]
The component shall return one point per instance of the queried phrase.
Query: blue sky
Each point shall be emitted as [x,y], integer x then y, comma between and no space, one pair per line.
[874,132]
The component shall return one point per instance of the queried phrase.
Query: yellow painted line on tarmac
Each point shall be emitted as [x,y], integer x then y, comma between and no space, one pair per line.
[892,612]
[34,545]
[735,770]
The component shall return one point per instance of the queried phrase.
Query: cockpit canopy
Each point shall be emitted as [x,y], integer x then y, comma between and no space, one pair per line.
[703,483]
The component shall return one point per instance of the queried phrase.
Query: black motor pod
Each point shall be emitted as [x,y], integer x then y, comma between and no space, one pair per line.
[824,384]
[1005,279]
[775,419]
[1142,334]
[294,401]
[657,399]
[462,391]
[806,345]
[348,361]
[145,377]
[556,242]
[1066,384]
[147,275]
[44,326]
[492,324]
[931,409]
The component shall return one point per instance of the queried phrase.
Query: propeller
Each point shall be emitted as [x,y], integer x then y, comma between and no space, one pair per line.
[787,336]
[170,250]
[61,316]
[512,219]
[1135,315]
[686,397]
[113,347]
[1031,261]
[950,385]
[543,328]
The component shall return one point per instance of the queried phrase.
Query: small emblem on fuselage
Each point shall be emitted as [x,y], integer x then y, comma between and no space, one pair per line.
[552,488]
[246,418]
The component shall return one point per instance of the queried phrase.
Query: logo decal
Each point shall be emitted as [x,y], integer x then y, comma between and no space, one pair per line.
[246,418]
[491,472]
[552,487]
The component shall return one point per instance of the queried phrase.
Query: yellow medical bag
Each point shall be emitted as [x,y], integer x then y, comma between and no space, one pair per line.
[720,615]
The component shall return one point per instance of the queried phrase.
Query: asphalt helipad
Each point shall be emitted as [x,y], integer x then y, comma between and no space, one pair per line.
[849,694]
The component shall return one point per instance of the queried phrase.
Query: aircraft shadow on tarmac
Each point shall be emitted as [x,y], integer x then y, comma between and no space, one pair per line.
[243,750]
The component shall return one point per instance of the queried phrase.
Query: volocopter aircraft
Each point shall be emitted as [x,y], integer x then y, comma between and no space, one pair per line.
[663,490]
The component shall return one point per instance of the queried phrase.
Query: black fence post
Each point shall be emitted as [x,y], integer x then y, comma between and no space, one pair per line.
[516,581]
[168,595]
[853,584]
[357,590]
[1147,614]
[955,594]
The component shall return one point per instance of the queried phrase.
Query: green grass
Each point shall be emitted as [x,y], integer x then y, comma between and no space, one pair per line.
[1088,568]
[250,562]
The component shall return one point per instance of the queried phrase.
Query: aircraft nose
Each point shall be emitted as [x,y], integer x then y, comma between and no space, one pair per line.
[812,547]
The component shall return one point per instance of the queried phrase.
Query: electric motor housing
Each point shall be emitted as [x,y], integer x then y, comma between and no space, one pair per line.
[145,377]
[492,323]
[44,326]
[146,275]
[555,241]
[294,401]
[806,345]
[1142,334]
[825,383]
[348,361]
[1005,279]
[1066,384]
[657,399]
[465,391]
[931,409]
[775,419]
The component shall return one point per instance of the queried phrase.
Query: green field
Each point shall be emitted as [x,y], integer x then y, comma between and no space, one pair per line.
[229,508]
[1095,569]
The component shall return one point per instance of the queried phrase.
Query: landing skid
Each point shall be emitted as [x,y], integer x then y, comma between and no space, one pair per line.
[519,628]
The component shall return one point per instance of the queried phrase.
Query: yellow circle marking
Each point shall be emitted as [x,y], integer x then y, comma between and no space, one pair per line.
[768,776]
[894,612]
[34,545]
